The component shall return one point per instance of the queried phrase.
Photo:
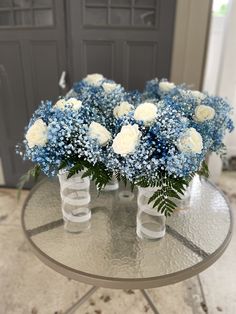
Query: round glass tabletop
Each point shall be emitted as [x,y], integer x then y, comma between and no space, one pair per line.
[110,254]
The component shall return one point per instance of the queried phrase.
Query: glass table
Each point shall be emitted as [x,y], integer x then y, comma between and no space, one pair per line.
[111,255]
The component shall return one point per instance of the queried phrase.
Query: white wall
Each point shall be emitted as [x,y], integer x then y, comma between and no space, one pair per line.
[214,52]
[220,74]
[227,75]
[190,41]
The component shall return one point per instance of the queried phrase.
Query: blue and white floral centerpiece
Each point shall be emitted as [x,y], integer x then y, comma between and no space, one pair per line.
[158,139]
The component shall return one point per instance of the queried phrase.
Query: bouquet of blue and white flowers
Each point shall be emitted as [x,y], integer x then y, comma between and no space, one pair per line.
[158,138]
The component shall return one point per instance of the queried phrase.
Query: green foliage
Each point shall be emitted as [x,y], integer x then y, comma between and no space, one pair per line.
[78,166]
[31,173]
[222,151]
[97,172]
[168,189]
[203,171]
[119,178]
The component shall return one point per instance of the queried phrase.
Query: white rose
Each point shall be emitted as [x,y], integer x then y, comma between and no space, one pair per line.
[166,86]
[109,87]
[191,141]
[146,112]
[122,109]
[195,93]
[60,104]
[204,113]
[126,140]
[94,79]
[37,134]
[99,132]
[74,103]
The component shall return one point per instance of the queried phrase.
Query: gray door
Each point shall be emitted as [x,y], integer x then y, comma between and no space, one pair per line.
[32,57]
[127,40]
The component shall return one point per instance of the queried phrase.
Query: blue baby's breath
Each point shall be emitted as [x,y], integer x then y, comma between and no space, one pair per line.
[157,149]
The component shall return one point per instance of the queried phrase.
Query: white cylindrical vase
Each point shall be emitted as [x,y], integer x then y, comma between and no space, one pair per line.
[75,199]
[150,222]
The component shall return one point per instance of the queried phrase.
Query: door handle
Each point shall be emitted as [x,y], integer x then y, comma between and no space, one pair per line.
[62,80]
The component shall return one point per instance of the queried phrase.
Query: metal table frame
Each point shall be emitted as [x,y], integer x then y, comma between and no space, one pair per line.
[87,295]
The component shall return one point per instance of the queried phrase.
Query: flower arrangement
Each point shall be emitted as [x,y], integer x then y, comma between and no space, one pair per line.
[158,138]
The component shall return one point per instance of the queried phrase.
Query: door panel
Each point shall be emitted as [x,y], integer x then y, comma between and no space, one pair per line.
[127,40]
[12,71]
[32,57]
[45,61]
[10,116]
[137,72]
[98,50]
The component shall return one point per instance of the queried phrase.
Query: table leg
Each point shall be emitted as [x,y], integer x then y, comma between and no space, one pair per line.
[84,298]
[150,302]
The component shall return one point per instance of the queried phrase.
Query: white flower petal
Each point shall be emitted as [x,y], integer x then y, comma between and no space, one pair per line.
[109,87]
[166,86]
[122,109]
[126,140]
[60,104]
[197,94]
[145,112]
[37,134]
[204,113]
[99,132]
[74,103]
[190,141]
[94,79]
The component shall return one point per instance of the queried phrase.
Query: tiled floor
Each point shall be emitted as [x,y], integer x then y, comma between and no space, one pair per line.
[27,286]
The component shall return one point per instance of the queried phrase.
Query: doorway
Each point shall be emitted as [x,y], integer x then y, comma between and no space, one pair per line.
[129,41]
